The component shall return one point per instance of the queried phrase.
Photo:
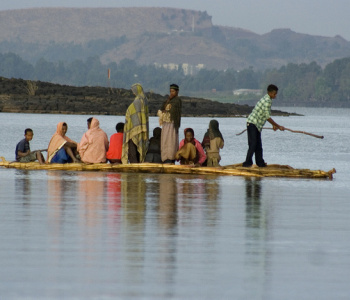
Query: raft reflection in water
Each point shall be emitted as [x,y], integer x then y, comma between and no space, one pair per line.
[128,196]
[128,208]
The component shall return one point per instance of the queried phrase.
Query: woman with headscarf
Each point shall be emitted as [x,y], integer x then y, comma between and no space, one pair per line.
[170,120]
[212,143]
[136,128]
[61,148]
[94,144]
[190,150]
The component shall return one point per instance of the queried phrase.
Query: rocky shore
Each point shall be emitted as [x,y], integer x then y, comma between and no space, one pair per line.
[26,96]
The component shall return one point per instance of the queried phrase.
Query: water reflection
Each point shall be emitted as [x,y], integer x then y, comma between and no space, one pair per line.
[133,220]
[92,188]
[191,198]
[134,197]
[212,194]
[114,195]
[253,194]
[62,185]
[257,255]
[167,231]
[167,205]
[23,186]
[133,217]
[197,200]
[181,205]
[61,188]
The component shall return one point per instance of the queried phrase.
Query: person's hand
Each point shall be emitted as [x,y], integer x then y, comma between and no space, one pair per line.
[281,128]
[274,127]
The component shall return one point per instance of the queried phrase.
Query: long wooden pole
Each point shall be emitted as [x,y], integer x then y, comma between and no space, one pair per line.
[294,131]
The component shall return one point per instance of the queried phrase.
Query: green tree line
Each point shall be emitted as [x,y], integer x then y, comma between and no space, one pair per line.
[301,83]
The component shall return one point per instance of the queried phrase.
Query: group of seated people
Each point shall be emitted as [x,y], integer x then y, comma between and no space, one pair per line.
[207,153]
[95,147]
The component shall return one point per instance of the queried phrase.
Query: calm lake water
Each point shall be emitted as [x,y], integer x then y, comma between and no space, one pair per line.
[91,235]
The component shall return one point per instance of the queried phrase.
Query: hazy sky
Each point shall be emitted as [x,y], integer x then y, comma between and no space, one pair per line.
[316,17]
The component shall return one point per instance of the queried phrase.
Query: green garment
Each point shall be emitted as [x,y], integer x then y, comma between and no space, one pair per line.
[136,126]
[261,112]
[175,111]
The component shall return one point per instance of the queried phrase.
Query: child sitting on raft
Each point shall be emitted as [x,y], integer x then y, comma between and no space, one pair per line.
[154,148]
[190,150]
[212,143]
[61,148]
[114,153]
[23,153]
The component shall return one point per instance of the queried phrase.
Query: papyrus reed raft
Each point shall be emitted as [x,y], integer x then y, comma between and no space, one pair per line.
[231,170]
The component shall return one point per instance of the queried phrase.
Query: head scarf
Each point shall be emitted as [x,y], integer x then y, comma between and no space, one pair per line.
[213,130]
[57,141]
[211,133]
[96,140]
[136,126]
[138,90]
[88,137]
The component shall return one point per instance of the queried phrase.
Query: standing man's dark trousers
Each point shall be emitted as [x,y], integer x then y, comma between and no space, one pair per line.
[255,147]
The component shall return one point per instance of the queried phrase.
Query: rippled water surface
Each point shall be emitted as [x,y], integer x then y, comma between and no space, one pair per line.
[95,235]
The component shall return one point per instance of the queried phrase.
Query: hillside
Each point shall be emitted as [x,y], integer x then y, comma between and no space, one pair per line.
[156,35]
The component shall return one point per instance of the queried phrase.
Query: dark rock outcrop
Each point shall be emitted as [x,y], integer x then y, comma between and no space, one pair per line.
[25,96]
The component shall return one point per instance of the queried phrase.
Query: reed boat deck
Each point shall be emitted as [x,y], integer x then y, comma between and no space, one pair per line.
[231,170]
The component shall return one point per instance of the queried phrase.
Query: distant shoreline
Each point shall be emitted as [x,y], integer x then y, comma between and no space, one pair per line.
[25,96]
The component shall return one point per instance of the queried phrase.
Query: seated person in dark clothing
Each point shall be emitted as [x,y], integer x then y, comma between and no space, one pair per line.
[23,153]
[153,152]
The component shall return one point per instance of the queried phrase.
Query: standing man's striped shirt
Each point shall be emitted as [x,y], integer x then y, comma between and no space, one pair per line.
[261,112]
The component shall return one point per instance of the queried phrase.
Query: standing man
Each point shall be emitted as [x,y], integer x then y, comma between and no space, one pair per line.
[255,122]
[170,120]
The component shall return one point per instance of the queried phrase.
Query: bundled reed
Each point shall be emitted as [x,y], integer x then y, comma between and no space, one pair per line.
[231,170]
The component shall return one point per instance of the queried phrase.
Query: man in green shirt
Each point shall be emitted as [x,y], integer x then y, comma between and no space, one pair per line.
[255,122]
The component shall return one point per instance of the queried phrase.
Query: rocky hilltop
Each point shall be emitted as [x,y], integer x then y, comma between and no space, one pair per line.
[25,96]
[156,36]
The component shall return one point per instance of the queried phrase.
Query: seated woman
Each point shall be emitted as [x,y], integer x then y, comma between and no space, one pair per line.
[190,150]
[212,143]
[153,153]
[61,148]
[94,144]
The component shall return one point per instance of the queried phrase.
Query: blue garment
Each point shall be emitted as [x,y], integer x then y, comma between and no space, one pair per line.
[61,157]
[255,147]
[22,146]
